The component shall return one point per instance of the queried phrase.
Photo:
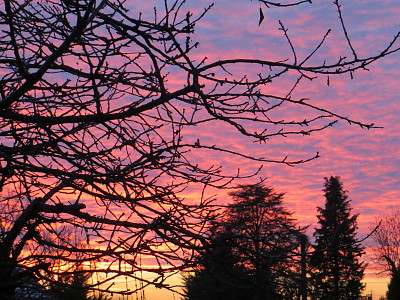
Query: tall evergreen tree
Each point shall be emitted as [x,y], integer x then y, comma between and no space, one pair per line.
[335,266]
[218,276]
[253,255]
[266,237]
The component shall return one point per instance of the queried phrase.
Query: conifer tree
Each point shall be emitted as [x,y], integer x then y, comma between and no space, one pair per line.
[253,255]
[266,237]
[218,276]
[335,266]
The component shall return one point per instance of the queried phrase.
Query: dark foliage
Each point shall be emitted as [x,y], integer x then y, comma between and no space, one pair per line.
[393,292]
[254,253]
[218,274]
[335,264]
[74,285]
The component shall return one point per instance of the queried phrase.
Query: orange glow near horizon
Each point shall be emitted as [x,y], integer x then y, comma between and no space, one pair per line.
[368,161]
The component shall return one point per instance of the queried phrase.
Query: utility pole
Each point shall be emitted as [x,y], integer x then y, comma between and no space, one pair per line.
[303,252]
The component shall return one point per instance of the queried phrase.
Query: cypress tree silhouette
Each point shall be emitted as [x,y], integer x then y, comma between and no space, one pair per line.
[335,266]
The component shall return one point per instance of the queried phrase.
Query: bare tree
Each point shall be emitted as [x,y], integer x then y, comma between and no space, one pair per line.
[385,246]
[385,242]
[92,132]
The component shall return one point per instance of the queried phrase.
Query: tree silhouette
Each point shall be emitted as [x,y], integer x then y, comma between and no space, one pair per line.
[265,237]
[254,250]
[393,292]
[385,247]
[218,274]
[28,287]
[94,132]
[74,285]
[336,269]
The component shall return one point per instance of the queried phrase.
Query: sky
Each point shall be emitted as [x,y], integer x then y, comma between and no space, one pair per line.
[368,161]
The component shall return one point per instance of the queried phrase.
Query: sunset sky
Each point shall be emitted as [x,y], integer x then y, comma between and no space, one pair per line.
[114,146]
[368,161]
